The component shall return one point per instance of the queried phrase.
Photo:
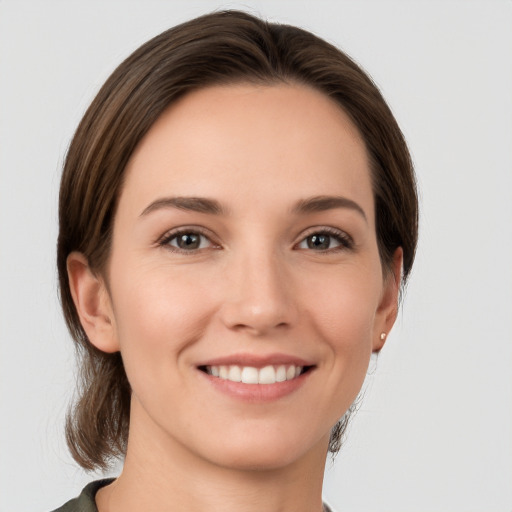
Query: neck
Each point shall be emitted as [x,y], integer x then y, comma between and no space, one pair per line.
[161,475]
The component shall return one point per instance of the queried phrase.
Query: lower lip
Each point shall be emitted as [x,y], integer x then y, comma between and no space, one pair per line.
[257,392]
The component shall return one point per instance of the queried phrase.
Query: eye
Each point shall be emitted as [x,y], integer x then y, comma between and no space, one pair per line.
[326,240]
[186,241]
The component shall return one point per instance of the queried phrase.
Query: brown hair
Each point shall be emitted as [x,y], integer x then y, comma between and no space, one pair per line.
[219,48]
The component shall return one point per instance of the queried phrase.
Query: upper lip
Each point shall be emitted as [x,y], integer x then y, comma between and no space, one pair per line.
[256,361]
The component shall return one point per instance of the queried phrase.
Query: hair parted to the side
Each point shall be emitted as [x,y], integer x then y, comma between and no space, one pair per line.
[219,48]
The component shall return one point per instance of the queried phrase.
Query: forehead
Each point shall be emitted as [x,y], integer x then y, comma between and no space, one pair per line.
[270,142]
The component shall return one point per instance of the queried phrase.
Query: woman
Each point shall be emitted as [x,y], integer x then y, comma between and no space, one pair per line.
[238,213]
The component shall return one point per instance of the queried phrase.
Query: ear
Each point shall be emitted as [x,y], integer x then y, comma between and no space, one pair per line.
[388,306]
[93,304]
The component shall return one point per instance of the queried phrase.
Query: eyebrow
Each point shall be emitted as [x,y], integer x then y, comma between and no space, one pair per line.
[323,203]
[195,204]
[211,206]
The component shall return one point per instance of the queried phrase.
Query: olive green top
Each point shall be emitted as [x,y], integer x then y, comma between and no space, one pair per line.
[85,502]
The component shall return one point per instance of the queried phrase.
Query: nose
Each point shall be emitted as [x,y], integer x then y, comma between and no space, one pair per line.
[259,296]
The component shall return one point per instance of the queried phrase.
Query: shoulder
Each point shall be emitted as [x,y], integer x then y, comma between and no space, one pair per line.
[85,501]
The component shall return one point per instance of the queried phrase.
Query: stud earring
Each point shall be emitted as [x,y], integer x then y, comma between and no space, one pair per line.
[383,336]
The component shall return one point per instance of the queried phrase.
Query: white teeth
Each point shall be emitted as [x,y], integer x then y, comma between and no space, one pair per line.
[234,374]
[281,373]
[267,375]
[250,375]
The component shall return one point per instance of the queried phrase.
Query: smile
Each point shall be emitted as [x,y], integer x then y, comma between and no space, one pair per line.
[250,375]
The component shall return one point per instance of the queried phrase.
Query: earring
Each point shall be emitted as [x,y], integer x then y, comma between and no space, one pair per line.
[383,336]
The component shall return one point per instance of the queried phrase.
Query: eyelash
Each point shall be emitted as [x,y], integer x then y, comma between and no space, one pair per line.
[168,237]
[344,240]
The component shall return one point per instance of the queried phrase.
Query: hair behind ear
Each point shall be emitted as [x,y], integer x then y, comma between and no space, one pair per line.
[97,424]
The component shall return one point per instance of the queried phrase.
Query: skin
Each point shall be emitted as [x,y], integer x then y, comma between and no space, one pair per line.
[254,286]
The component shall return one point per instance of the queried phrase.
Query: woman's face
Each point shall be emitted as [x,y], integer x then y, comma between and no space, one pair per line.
[244,247]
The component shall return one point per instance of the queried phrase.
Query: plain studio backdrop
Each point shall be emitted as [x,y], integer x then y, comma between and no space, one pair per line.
[434,432]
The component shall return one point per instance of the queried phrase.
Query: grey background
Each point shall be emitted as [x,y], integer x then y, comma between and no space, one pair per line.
[435,430]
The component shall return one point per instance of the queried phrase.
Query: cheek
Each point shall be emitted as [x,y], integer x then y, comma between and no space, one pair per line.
[344,315]
[346,301]
[158,314]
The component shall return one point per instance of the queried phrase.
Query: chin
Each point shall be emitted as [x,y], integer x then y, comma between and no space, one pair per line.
[266,451]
